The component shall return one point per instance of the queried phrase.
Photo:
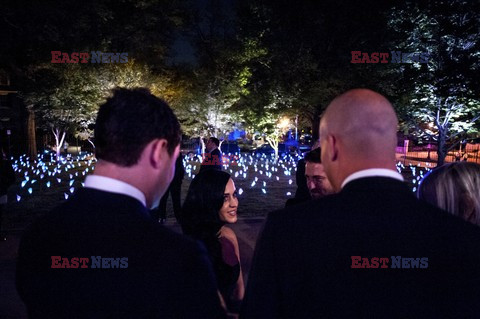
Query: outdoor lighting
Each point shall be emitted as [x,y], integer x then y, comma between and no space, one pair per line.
[284,123]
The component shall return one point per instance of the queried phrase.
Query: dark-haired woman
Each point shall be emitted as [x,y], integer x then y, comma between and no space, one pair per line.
[211,203]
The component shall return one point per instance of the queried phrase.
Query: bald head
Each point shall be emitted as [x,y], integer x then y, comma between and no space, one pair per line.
[362,126]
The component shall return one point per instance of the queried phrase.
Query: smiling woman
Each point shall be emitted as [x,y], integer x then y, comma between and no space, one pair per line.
[211,203]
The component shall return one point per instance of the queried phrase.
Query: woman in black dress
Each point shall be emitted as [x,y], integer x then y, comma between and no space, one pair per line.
[211,203]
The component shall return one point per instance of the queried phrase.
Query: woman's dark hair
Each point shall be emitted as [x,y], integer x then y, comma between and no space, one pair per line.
[199,217]
[203,202]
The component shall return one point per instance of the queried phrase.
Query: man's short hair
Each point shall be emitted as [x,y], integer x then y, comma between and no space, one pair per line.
[313,156]
[215,140]
[128,121]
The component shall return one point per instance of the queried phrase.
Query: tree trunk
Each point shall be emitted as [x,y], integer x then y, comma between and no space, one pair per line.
[31,136]
[58,140]
[442,149]
[274,144]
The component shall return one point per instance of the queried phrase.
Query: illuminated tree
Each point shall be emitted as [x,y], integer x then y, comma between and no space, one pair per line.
[444,91]
[65,98]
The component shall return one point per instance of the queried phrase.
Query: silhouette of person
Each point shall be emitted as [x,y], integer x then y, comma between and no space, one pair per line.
[175,189]
[371,248]
[100,254]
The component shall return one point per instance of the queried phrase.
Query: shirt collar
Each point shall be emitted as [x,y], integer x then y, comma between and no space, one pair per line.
[371,172]
[112,185]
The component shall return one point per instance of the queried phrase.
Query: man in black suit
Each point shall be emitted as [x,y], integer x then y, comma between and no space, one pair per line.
[175,189]
[372,249]
[213,157]
[314,178]
[99,254]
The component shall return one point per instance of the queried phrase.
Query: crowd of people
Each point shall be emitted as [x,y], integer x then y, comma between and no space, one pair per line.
[354,242]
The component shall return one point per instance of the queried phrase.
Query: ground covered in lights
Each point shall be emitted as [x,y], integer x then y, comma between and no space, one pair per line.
[263,184]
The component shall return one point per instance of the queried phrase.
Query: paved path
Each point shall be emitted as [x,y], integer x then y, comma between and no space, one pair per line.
[247,230]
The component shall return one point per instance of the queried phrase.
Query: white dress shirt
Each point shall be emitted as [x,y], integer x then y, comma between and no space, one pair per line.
[112,185]
[373,172]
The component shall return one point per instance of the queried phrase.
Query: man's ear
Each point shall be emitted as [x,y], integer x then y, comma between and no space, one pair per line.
[157,152]
[332,145]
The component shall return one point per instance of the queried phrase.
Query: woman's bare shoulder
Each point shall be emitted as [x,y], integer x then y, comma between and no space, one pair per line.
[228,233]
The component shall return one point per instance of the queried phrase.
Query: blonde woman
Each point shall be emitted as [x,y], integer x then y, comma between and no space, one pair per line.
[454,187]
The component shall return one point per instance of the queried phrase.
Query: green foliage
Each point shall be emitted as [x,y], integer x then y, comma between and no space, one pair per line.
[445,91]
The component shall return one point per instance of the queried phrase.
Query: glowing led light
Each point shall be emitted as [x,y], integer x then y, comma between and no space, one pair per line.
[30,190]
[240,191]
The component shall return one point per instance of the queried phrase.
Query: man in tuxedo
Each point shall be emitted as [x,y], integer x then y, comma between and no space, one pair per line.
[372,249]
[317,180]
[100,254]
[213,156]
[314,178]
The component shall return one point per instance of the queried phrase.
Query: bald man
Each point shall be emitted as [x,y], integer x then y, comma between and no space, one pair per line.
[372,249]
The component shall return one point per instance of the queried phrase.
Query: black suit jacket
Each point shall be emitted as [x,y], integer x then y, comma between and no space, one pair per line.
[302,192]
[302,266]
[167,275]
[212,160]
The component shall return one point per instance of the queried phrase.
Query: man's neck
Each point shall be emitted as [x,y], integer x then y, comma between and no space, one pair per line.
[130,175]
